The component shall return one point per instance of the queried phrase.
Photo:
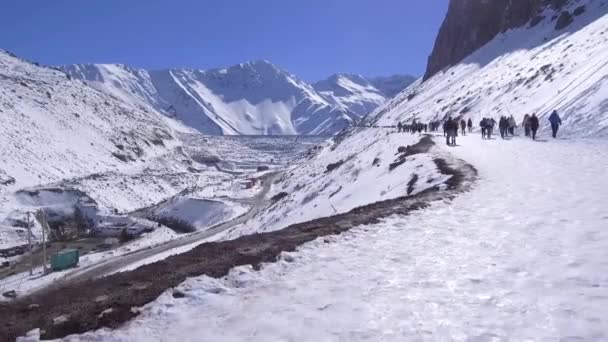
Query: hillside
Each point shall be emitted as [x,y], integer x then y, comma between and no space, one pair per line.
[359,95]
[255,98]
[55,128]
[535,68]
[371,234]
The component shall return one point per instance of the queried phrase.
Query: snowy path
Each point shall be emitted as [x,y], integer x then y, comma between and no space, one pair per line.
[524,255]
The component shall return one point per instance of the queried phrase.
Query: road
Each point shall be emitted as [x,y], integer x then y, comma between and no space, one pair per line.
[114,264]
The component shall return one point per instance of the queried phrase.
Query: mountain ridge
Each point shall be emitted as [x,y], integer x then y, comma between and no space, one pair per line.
[250,98]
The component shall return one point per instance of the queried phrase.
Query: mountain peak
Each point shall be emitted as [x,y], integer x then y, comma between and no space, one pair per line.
[343,84]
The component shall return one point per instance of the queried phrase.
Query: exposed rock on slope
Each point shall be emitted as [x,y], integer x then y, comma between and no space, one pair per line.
[530,69]
[255,98]
[359,95]
[54,127]
[392,85]
[470,24]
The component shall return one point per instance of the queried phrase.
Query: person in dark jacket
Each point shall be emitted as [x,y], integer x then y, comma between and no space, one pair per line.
[399,127]
[470,124]
[503,125]
[490,127]
[483,125]
[463,127]
[555,121]
[451,127]
[512,125]
[534,124]
[526,125]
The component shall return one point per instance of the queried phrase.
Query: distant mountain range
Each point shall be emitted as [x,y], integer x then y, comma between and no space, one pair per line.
[254,98]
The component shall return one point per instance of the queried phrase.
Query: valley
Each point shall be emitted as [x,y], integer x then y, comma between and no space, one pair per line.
[242,203]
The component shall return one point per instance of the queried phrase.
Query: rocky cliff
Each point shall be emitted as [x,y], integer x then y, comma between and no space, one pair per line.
[470,24]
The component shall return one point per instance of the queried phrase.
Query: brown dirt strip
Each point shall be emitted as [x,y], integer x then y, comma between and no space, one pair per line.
[81,305]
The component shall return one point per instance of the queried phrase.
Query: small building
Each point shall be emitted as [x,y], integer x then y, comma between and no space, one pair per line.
[65,259]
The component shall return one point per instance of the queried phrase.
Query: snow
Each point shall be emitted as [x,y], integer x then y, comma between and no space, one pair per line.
[520,257]
[200,213]
[522,71]
[158,257]
[353,93]
[23,283]
[254,98]
[56,129]
[364,177]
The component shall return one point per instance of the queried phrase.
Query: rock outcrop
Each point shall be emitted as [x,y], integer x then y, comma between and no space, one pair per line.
[470,24]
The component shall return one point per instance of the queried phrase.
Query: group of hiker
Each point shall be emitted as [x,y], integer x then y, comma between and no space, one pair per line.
[506,125]
[414,127]
[451,127]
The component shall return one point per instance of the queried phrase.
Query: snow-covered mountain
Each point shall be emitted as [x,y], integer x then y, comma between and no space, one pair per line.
[554,61]
[390,86]
[359,95]
[255,98]
[55,127]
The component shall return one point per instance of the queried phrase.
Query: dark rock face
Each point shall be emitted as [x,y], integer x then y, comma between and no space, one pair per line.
[564,20]
[470,24]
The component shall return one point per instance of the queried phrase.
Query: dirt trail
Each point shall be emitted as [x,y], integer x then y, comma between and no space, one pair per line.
[81,304]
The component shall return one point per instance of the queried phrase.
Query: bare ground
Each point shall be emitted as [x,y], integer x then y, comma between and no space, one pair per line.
[82,304]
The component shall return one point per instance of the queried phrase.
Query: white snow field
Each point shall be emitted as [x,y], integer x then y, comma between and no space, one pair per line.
[363,177]
[523,256]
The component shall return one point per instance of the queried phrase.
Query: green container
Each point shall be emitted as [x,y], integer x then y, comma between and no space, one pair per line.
[65,259]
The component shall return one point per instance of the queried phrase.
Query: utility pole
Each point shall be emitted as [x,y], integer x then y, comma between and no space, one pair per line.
[44,241]
[41,217]
[29,243]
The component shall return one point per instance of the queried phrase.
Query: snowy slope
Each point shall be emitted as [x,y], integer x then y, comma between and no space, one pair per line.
[523,71]
[352,93]
[362,168]
[495,264]
[54,128]
[255,98]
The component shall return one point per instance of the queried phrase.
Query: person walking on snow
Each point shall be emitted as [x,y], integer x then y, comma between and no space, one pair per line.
[534,124]
[451,127]
[503,125]
[483,124]
[555,121]
[470,124]
[512,125]
[463,127]
[490,130]
[526,125]
[399,127]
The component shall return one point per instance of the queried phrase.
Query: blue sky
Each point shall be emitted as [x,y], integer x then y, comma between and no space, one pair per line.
[310,38]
